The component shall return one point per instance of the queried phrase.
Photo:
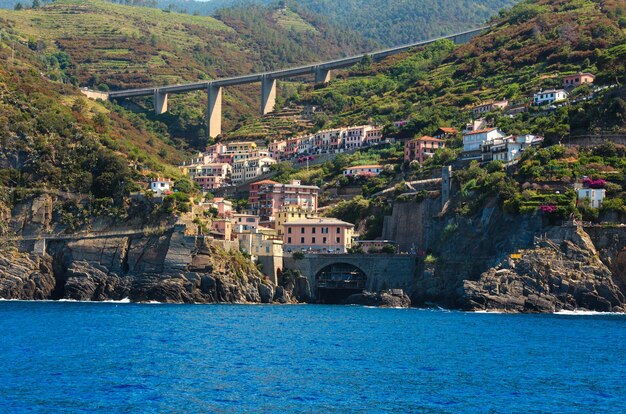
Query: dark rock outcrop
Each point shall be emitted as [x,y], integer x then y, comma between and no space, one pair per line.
[383,299]
[26,277]
[563,272]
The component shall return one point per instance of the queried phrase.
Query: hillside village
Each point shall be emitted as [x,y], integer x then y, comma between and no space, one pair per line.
[279,220]
[399,160]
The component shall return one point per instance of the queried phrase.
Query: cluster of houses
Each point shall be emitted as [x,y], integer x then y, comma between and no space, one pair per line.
[542,97]
[233,163]
[326,141]
[281,219]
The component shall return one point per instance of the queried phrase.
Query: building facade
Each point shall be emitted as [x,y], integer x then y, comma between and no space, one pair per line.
[421,148]
[474,140]
[572,81]
[549,96]
[363,170]
[321,235]
[269,199]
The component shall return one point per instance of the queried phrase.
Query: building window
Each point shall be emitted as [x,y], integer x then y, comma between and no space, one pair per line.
[338,239]
[324,240]
[313,230]
[288,239]
[302,240]
[338,230]
[289,230]
[301,230]
[313,240]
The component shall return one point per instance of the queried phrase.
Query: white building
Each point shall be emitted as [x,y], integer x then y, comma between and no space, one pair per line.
[248,169]
[549,96]
[594,197]
[474,140]
[160,185]
[508,149]
[363,170]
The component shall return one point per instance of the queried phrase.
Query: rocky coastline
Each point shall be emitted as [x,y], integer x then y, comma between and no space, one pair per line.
[531,268]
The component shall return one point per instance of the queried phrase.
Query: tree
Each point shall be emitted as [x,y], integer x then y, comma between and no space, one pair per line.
[388,248]
[184,185]
[36,4]
[19,7]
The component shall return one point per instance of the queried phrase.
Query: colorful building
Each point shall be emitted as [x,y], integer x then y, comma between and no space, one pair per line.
[268,199]
[421,148]
[572,81]
[291,213]
[321,235]
[245,222]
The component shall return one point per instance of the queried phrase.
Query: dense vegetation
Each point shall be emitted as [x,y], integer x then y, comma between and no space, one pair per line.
[387,22]
[54,141]
[531,47]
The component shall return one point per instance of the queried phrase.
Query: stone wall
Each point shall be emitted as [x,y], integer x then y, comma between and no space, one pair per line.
[413,225]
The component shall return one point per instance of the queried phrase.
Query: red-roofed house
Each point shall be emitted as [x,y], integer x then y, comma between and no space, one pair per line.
[421,148]
[445,132]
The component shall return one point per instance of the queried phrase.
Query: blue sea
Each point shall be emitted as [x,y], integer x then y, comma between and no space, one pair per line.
[63,357]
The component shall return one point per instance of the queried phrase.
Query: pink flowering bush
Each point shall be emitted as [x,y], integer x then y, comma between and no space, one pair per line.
[547,208]
[595,184]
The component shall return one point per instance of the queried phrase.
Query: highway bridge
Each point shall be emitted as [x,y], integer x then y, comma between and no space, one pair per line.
[320,71]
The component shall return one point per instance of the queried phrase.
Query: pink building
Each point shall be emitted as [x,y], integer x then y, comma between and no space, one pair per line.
[276,149]
[325,235]
[222,229]
[224,207]
[211,182]
[267,199]
[571,81]
[421,148]
[245,222]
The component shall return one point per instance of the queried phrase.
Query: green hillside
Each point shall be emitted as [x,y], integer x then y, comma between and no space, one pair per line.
[530,47]
[53,140]
[105,46]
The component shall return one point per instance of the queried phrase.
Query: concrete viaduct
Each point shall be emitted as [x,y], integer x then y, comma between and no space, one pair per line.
[321,72]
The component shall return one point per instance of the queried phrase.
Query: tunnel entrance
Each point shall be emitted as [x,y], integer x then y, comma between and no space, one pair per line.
[337,281]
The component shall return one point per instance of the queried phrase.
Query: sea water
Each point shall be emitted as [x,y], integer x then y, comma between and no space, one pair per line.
[128,358]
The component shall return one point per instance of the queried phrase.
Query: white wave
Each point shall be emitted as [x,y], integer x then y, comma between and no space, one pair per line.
[586,313]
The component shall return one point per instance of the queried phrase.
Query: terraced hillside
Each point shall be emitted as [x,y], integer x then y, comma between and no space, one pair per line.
[122,46]
[530,47]
[53,140]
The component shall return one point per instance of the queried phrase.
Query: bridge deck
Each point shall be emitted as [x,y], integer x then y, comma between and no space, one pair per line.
[285,73]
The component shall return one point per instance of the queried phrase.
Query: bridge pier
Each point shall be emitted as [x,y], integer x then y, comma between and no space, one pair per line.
[322,76]
[160,102]
[268,95]
[214,110]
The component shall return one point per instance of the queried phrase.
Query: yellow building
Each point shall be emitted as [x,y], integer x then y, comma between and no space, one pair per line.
[290,213]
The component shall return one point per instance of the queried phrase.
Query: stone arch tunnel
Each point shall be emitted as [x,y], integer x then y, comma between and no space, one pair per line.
[332,275]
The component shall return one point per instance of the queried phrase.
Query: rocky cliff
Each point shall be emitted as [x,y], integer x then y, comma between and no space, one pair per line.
[562,272]
[163,268]
[559,267]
